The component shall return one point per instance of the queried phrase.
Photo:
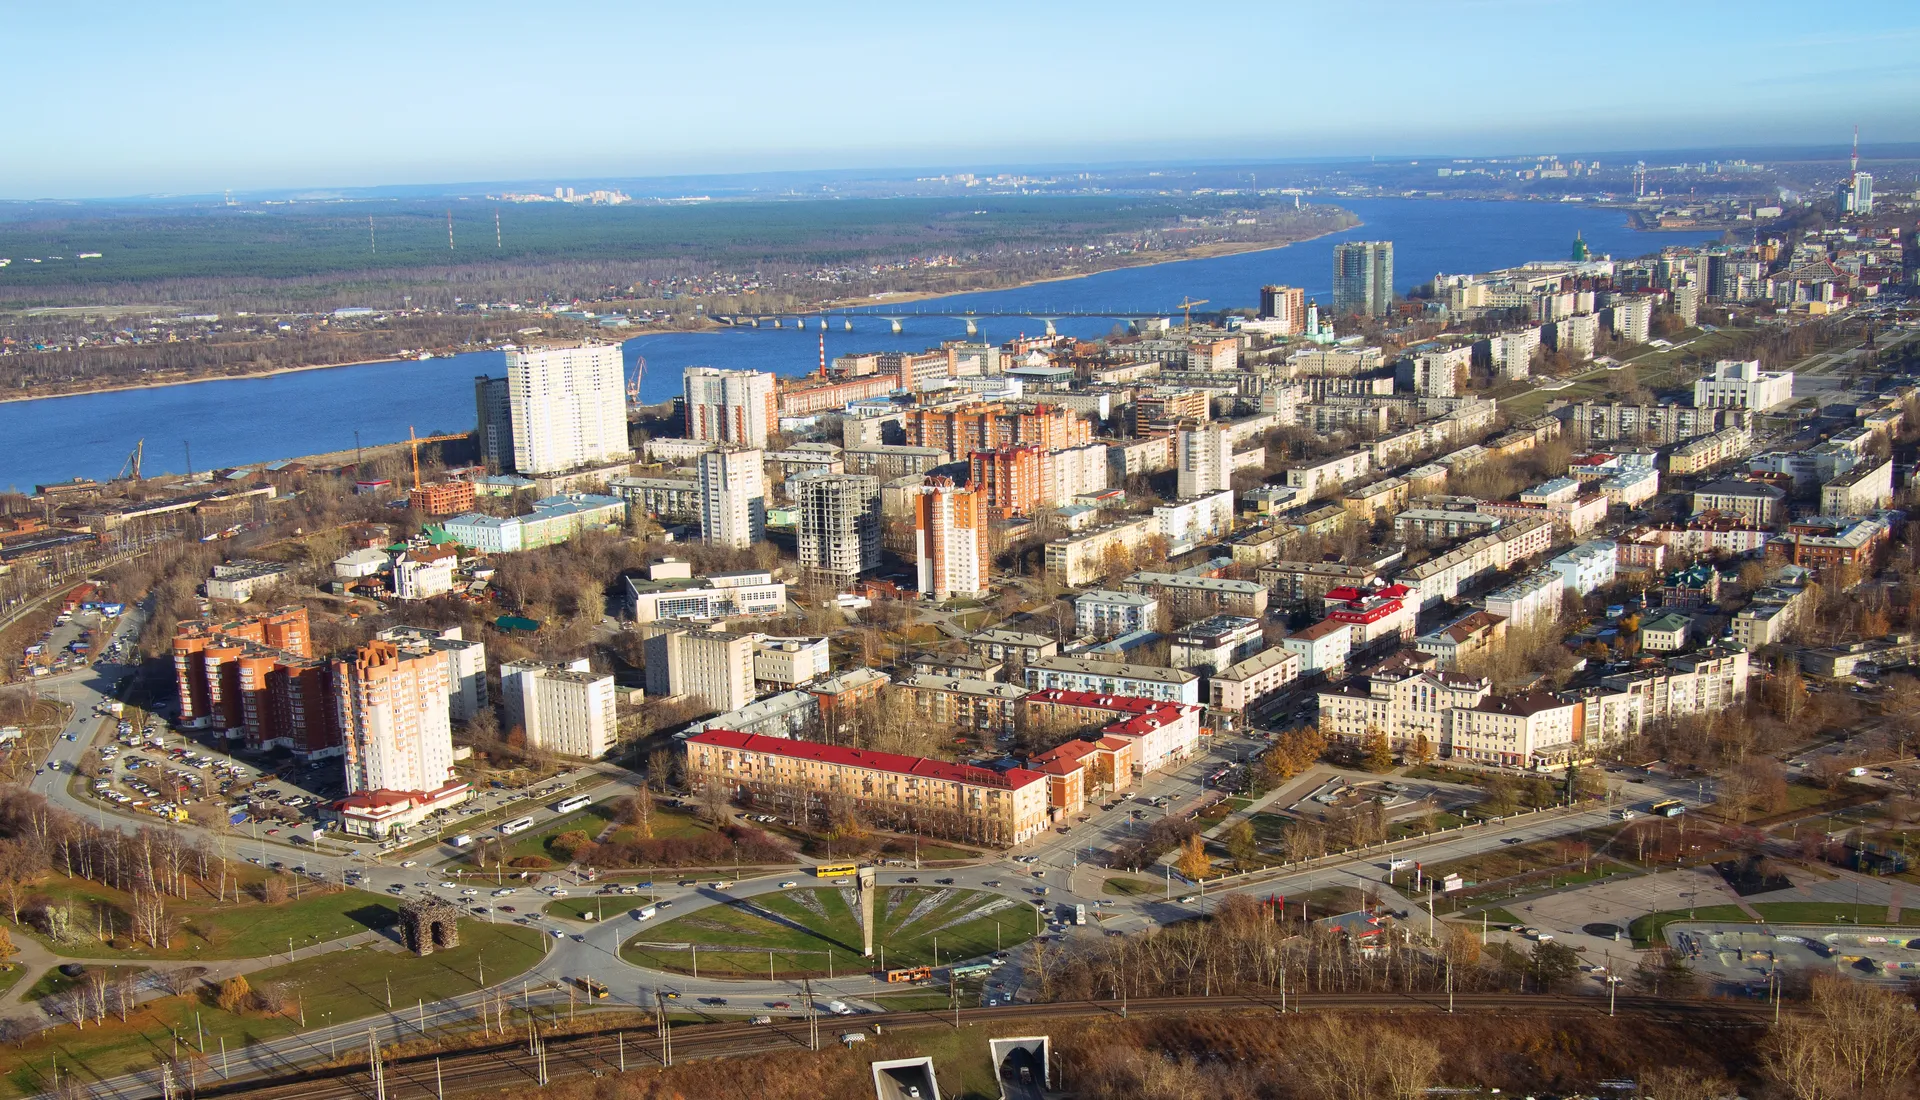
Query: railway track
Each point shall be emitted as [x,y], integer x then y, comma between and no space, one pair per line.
[510,1066]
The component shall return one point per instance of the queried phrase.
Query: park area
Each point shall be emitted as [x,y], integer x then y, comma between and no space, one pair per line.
[816,932]
[99,922]
[324,988]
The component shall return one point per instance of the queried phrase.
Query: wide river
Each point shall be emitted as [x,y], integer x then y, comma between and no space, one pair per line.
[232,422]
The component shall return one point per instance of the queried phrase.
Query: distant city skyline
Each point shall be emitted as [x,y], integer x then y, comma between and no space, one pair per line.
[198,98]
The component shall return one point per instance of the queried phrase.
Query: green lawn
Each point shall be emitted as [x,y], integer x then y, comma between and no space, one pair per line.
[54,983]
[1495,915]
[1414,826]
[207,929]
[1649,931]
[1826,912]
[802,926]
[10,977]
[590,821]
[331,988]
[1132,887]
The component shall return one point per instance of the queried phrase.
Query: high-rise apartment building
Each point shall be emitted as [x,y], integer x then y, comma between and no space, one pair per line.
[1204,458]
[394,710]
[256,679]
[1010,481]
[950,540]
[730,406]
[733,498]
[987,427]
[1286,305]
[569,407]
[466,664]
[563,708]
[839,525]
[712,667]
[493,406]
[1363,278]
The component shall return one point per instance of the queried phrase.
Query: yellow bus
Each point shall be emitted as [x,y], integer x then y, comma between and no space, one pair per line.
[836,870]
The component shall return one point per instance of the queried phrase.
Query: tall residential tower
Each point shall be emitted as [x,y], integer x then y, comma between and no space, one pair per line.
[568,407]
[1363,278]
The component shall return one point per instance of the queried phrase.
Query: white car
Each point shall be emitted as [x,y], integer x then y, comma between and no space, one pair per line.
[501,893]
[788,885]
[470,892]
[406,863]
[449,886]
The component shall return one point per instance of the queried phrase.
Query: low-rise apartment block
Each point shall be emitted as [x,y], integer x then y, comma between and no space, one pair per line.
[1162,733]
[1188,598]
[1109,678]
[955,800]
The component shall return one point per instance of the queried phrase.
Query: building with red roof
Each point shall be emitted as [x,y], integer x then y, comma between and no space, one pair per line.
[1161,732]
[981,805]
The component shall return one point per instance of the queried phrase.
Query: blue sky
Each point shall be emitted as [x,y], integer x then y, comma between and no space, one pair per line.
[133,98]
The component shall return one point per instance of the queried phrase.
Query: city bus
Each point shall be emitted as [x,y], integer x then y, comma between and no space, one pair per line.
[1670,807]
[508,828]
[836,870]
[577,802]
[909,974]
[968,970]
[592,988]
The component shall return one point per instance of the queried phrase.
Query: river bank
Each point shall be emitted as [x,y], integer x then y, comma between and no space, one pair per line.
[1210,250]
[246,420]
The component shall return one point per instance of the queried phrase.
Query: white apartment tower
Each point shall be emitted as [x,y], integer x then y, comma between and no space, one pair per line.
[569,407]
[949,540]
[733,498]
[712,667]
[730,406]
[394,713]
[839,524]
[565,709]
[1204,457]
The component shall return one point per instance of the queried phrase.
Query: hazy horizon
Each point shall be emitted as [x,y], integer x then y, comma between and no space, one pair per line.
[202,98]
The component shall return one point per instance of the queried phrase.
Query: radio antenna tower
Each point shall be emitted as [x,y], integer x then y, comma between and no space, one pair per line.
[496,228]
[449,231]
[372,245]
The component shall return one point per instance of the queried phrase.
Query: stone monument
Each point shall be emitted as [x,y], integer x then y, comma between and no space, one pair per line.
[866,890]
[428,925]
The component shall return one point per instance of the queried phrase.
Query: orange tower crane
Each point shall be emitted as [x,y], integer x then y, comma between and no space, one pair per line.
[416,440]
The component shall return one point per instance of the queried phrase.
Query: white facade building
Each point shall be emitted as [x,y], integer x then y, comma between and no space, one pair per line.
[1588,566]
[1104,613]
[565,709]
[1741,384]
[1536,596]
[569,407]
[730,406]
[1204,458]
[733,498]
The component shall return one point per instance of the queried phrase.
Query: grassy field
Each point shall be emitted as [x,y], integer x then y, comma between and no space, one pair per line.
[53,983]
[802,926]
[330,989]
[1648,931]
[1132,887]
[1827,912]
[206,929]
[10,977]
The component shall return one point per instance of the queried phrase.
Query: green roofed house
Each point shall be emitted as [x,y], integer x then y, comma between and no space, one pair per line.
[1666,633]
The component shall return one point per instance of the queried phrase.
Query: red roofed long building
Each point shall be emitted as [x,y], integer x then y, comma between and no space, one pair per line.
[1162,732]
[910,792]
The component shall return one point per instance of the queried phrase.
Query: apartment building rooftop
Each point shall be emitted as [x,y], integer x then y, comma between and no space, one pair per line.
[1009,780]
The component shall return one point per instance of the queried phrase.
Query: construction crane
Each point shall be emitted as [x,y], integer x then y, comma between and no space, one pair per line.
[1187,304]
[133,461]
[416,440]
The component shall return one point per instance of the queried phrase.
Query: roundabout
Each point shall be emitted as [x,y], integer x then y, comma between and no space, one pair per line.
[815,932]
